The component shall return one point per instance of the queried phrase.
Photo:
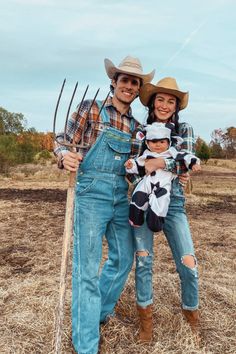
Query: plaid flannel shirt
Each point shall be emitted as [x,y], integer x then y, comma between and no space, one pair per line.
[90,127]
[188,145]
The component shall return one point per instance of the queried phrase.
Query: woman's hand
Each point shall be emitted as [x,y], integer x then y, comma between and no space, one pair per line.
[154,164]
[183,179]
[71,161]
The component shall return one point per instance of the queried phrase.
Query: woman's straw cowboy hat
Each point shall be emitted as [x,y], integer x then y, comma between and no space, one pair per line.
[130,66]
[166,85]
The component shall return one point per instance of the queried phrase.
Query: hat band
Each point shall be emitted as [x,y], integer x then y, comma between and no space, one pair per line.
[132,65]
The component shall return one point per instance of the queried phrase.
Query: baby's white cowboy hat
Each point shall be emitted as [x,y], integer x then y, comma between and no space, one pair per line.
[159,131]
[130,66]
[166,85]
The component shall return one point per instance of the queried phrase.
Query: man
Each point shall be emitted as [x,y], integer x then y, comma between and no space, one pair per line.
[101,204]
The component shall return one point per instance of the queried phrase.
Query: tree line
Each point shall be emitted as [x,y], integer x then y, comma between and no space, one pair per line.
[221,146]
[21,145]
[18,144]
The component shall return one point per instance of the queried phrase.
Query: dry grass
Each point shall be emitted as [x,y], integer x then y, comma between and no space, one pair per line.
[31,222]
[229,164]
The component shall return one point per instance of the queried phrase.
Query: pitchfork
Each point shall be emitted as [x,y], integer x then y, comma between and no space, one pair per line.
[69,217]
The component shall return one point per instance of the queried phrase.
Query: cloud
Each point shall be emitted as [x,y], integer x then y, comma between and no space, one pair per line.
[185,43]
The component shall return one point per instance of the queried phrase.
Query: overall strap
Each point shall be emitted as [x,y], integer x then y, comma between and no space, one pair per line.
[104,115]
[132,125]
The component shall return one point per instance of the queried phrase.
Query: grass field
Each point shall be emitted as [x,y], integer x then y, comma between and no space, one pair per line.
[32,207]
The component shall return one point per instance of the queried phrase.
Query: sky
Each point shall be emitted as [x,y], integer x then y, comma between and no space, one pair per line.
[44,41]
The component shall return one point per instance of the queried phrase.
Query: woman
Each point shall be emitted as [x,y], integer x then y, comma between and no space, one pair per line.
[164,101]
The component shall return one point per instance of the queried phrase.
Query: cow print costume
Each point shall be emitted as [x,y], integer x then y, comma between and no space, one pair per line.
[152,193]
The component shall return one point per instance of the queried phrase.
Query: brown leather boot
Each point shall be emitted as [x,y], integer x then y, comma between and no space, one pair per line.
[146,324]
[193,319]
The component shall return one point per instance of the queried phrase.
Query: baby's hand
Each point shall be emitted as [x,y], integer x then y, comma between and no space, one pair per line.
[196,168]
[129,164]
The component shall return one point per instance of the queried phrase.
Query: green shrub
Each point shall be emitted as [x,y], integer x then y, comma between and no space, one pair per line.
[13,151]
[8,148]
[44,155]
[203,152]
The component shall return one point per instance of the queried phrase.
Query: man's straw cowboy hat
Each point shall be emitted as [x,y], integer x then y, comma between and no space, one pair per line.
[166,85]
[130,66]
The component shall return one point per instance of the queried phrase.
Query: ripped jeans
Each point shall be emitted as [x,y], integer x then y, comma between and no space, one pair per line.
[177,232]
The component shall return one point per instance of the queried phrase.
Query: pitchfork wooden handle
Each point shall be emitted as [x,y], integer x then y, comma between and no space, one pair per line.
[72,178]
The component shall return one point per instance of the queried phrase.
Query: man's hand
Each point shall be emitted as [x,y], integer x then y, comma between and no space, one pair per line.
[183,178]
[72,160]
[129,164]
[154,164]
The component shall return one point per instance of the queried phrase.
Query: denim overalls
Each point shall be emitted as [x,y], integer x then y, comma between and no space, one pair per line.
[101,208]
[177,232]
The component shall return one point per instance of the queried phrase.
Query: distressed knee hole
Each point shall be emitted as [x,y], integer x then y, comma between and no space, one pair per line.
[189,261]
[142,253]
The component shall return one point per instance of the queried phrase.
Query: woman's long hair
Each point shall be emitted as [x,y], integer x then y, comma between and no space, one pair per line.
[151,116]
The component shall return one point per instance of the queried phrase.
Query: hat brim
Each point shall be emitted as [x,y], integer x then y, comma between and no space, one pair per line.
[111,70]
[148,90]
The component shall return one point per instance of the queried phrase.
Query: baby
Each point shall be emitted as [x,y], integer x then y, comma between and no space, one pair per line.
[152,193]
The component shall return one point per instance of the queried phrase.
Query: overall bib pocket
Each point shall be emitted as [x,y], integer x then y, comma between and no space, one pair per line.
[111,156]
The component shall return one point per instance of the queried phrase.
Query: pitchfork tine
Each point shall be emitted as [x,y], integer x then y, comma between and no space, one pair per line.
[78,111]
[55,114]
[99,113]
[91,105]
[68,111]
[93,101]
[104,103]
[80,105]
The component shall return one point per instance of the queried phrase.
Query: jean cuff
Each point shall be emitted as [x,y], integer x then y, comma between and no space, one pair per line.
[190,308]
[145,304]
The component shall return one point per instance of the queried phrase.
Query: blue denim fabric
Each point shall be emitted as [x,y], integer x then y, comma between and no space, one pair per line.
[101,208]
[177,232]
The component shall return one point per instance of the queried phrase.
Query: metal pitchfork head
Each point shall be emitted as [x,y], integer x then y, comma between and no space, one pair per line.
[72,145]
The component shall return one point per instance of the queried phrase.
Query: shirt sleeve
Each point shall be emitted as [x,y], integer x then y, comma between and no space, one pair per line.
[75,126]
[188,145]
[137,142]
[187,134]
[170,165]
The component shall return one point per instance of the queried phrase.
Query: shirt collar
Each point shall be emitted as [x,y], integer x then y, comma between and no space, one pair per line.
[110,104]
